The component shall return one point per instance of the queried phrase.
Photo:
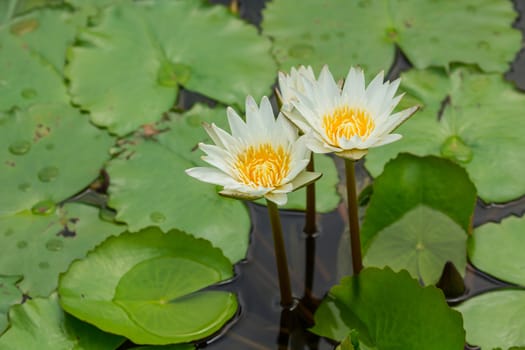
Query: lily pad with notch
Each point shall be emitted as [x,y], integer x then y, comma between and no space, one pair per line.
[471,118]
[389,311]
[150,287]
[168,58]
[10,295]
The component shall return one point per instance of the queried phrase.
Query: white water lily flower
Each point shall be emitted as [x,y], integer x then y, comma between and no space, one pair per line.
[263,157]
[290,83]
[348,120]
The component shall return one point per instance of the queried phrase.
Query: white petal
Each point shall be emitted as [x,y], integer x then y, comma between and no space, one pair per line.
[277,198]
[211,175]
[237,125]
[318,146]
[305,178]
[210,129]
[354,87]
[387,139]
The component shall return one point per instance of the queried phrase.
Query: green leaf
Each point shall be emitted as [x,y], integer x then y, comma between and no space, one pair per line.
[10,295]
[145,84]
[365,32]
[32,56]
[40,247]
[391,311]
[409,181]
[422,242]
[498,249]
[40,324]
[495,319]
[327,197]
[150,187]
[166,347]
[470,131]
[43,156]
[148,287]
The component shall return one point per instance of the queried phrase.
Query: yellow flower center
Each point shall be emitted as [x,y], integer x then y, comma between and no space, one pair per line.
[346,122]
[263,165]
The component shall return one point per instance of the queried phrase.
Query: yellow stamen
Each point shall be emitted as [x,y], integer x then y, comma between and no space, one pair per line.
[263,165]
[347,122]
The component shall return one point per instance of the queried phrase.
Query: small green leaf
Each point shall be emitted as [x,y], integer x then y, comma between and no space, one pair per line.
[149,285]
[461,119]
[40,324]
[495,319]
[422,242]
[409,181]
[43,156]
[10,295]
[498,249]
[391,311]
[40,247]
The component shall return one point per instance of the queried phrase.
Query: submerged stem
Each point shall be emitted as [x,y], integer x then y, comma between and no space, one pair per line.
[310,226]
[280,255]
[353,219]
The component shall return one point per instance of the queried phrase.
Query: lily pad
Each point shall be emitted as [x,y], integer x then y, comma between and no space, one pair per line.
[148,286]
[498,249]
[470,129]
[366,32]
[410,181]
[390,311]
[149,187]
[421,242]
[495,320]
[32,56]
[40,324]
[43,156]
[40,247]
[10,295]
[145,85]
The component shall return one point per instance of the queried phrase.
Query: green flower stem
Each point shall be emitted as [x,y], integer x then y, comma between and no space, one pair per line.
[353,219]
[310,227]
[280,255]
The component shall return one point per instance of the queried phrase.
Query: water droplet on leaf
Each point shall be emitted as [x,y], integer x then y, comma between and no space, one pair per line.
[45,207]
[157,217]
[19,147]
[301,51]
[21,244]
[24,27]
[29,93]
[9,232]
[48,173]
[50,146]
[54,245]
[455,149]
[24,187]
[43,265]
[483,45]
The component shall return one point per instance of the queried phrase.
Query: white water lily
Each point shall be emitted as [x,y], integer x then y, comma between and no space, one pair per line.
[347,120]
[289,84]
[263,157]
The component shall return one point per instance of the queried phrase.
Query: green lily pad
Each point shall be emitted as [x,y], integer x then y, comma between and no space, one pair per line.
[166,347]
[390,311]
[40,324]
[240,64]
[495,320]
[43,156]
[10,295]
[149,187]
[327,197]
[421,242]
[40,247]
[365,32]
[410,181]
[498,249]
[32,56]
[148,286]
[470,130]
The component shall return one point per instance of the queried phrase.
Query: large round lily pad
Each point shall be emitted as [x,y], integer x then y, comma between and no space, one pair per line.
[32,57]
[495,320]
[409,181]
[390,311]
[148,286]
[40,247]
[145,84]
[44,157]
[10,295]
[498,249]
[421,242]
[40,324]
[474,119]
[365,32]
[149,186]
